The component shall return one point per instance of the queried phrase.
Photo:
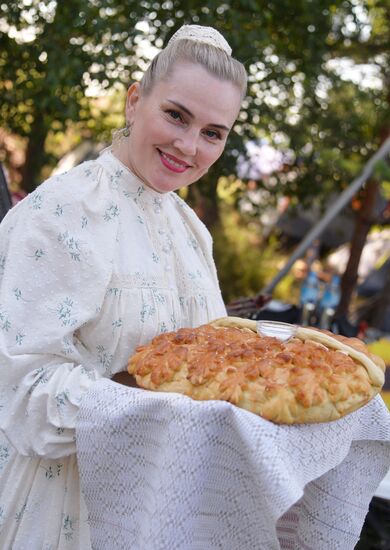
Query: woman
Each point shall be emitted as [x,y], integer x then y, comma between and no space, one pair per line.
[97,261]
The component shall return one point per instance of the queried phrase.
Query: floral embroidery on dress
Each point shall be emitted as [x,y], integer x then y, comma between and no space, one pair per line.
[142,279]
[2,264]
[135,195]
[4,456]
[35,200]
[67,345]
[42,378]
[147,311]
[59,211]
[195,274]
[157,201]
[111,212]
[173,322]
[202,301]
[52,471]
[19,337]
[116,324]
[19,515]
[191,240]
[158,296]
[192,243]
[104,356]
[113,291]
[68,526]
[115,179]
[89,374]
[167,244]
[65,313]
[62,398]
[5,323]
[162,327]
[18,295]
[39,253]
[71,244]
[84,222]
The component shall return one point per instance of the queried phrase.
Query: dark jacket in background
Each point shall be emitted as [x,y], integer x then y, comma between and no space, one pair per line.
[5,196]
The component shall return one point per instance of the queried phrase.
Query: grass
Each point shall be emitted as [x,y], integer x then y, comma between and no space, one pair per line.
[382,348]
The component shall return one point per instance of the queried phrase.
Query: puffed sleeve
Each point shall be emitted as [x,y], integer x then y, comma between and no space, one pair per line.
[56,251]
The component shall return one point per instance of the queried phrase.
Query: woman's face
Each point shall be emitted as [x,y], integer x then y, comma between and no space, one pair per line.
[180,128]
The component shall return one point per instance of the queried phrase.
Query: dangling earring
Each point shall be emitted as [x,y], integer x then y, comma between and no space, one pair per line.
[126,130]
[119,135]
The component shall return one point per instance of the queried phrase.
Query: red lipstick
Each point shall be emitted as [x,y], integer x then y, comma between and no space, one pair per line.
[173,163]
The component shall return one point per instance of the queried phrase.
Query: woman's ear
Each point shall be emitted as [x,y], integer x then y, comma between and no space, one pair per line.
[133,97]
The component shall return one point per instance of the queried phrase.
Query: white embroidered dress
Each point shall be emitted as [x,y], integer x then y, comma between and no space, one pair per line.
[92,264]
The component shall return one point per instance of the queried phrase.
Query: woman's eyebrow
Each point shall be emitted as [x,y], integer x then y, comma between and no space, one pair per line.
[183,108]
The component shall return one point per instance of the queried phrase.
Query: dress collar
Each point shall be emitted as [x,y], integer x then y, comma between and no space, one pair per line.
[121,174]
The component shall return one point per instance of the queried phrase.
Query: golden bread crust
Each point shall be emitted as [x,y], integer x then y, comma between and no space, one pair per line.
[285,382]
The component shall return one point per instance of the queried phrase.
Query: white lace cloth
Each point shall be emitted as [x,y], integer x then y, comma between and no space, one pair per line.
[160,471]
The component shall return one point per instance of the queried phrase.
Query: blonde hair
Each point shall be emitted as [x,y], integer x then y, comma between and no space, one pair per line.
[213,59]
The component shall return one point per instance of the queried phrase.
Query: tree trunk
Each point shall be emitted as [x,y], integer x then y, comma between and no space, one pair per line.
[35,155]
[383,304]
[363,224]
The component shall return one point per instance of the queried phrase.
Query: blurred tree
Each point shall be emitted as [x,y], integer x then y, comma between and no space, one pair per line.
[339,118]
[302,58]
[51,54]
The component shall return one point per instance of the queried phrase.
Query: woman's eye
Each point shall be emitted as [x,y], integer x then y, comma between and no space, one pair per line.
[212,134]
[174,114]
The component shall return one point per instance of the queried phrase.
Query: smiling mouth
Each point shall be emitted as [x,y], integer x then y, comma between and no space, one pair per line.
[173,163]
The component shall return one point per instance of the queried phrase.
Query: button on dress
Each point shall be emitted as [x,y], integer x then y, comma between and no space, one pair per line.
[92,264]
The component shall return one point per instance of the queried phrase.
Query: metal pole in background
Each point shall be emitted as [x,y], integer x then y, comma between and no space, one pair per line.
[329,215]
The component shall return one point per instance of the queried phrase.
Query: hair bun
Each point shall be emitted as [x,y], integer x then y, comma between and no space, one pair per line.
[198,33]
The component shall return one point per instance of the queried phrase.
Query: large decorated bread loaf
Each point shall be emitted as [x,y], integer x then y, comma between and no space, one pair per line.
[313,377]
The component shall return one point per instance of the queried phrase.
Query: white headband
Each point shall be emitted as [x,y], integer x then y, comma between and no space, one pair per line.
[208,35]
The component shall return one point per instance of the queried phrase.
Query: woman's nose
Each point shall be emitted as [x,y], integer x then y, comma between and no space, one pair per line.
[187,143]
